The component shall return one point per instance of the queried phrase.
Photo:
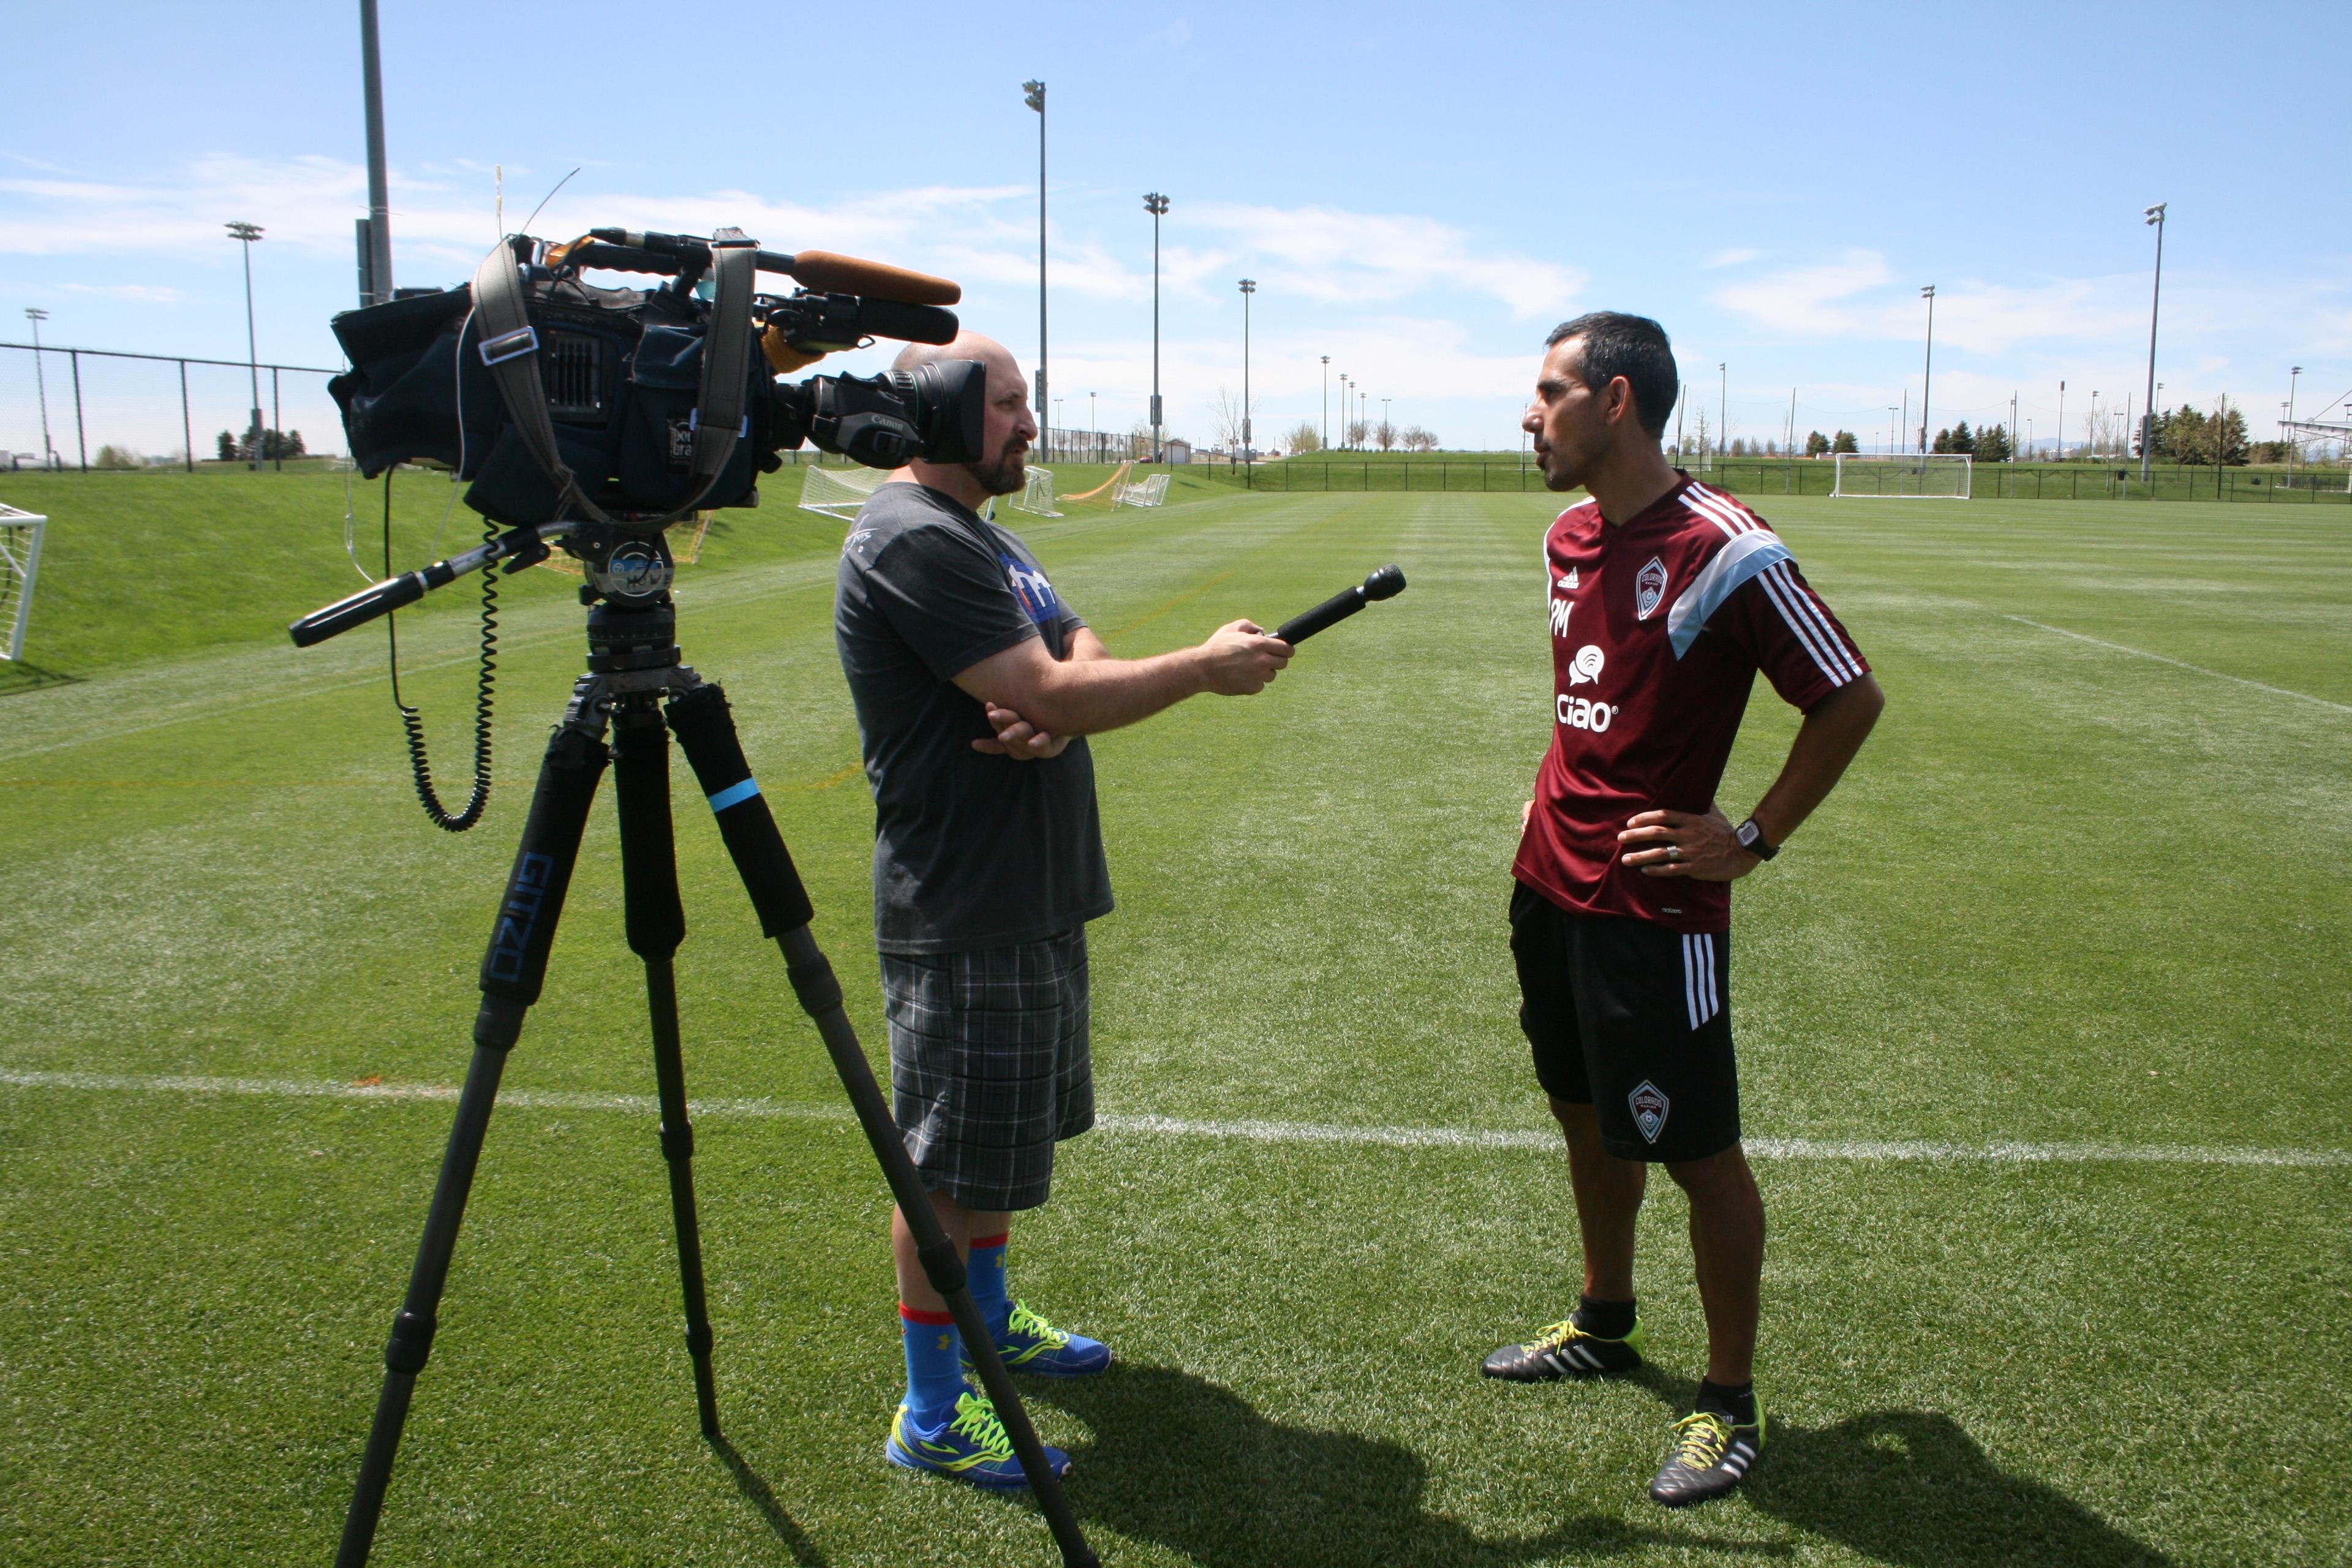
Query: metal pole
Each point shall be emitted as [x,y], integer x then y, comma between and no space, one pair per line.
[277,417]
[82,443]
[1723,408]
[1327,403]
[2292,443]
[2154,215]
[379,189]
[247,234]
[1036,101]
[1249,450]
[2061,421]
[35,315]
[1928,381]
[1157,206]
[187,434]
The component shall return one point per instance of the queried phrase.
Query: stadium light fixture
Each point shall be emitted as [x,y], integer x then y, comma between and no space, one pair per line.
[1157,206]
[35,315]
[2155,217]
[1249,453]
[1928,376]
[245,233]
[1035,97]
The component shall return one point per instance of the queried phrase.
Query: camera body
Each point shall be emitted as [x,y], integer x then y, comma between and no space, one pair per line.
[621,370]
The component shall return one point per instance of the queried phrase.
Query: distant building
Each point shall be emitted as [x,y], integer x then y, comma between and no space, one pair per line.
[1177,452]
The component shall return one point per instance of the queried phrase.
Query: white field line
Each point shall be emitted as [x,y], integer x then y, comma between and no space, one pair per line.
[1868,1149]
[2181,664]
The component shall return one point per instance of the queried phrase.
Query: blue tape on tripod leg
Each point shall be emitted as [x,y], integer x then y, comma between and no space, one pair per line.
[734,795]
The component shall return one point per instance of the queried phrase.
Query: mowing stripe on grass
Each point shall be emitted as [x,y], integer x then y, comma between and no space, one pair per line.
[1869,1149]
[2181,664]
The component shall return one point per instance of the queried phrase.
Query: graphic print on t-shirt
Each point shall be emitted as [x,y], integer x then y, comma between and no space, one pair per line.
[1029,586]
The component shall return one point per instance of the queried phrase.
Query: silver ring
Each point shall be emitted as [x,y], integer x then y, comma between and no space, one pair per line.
[1674,852]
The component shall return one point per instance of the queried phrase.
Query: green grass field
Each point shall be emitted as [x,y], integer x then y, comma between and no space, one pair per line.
[2041,1019]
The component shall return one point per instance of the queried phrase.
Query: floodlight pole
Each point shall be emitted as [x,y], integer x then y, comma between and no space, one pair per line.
[1893,430]
[1723,407]
[379,223]
[1036,99]
[1157,206]
[2292,376]
[1249,450]
[2153,216]
[1928,379]
[1326,402]
[245,233]
[1385,427]
[35,315]
[2061,421]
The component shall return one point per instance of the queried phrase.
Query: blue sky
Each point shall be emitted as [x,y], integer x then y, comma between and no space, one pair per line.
[1419,191]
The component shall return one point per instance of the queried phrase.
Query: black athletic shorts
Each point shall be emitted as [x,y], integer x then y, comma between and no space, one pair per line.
[1632,1019]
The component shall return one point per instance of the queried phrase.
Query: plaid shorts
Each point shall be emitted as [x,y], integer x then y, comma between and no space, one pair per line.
[990,1065]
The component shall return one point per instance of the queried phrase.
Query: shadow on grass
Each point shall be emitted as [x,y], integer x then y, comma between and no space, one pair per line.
[1181,1462]
[16,677]
[1911,1488]
[755,1487]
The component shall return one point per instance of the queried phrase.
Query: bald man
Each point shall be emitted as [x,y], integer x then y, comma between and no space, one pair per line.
[975,685]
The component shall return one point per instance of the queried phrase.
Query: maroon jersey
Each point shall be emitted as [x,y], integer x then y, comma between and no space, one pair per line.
[1658,628]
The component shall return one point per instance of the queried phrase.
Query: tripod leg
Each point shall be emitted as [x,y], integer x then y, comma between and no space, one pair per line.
[512,972]
[656,925]
[707,735]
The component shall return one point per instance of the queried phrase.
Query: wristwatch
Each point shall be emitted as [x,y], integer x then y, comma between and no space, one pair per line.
[1751,838]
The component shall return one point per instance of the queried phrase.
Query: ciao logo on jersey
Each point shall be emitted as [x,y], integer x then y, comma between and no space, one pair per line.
[1581,713]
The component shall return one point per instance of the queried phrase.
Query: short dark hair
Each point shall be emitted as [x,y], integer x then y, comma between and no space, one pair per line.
[1634,347]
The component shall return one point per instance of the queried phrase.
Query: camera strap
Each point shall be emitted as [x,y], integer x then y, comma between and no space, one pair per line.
[509,349]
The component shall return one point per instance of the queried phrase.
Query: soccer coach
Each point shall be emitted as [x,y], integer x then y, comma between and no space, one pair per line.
[1664,597]
[973,680]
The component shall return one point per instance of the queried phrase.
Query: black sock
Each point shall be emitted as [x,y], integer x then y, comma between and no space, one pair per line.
[1605,1319]
[1737,1403]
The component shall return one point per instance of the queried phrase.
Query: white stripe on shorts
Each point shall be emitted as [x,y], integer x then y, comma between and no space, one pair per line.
[1702,997]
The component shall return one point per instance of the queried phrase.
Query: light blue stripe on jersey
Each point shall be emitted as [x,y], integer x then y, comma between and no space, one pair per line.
[734,795]
[1739,560]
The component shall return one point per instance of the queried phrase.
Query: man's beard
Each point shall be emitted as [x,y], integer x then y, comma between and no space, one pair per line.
[1009,473]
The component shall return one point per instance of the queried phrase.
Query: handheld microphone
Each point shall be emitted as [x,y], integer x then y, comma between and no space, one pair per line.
[1385,583]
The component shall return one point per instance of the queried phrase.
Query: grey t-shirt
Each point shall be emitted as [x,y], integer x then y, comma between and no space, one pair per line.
[971,851]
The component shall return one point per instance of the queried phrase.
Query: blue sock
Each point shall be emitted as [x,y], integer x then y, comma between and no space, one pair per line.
[986,1272]
[934,1365]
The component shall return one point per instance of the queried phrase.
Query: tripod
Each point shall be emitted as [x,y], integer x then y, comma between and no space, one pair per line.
[633,665]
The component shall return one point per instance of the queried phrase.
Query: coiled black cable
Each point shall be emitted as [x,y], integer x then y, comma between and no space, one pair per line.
[411,721]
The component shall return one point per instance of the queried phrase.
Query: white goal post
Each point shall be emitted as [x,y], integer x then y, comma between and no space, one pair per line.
[838,492]
[20,562]
[1151,491]
[1913,475]
[1037,495]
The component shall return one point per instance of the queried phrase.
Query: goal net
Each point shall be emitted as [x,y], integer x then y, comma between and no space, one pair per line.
[1148,491]
[1909,475]
[20,560]
[1037,495]
[838,492]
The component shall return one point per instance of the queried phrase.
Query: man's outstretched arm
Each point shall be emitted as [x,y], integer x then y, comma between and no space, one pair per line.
[1091,692]
[1833,731]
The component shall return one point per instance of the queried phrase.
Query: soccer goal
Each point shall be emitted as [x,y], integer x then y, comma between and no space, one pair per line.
[20,562]
[1915,476]
[1037,495]
[1151,491]
[838,492]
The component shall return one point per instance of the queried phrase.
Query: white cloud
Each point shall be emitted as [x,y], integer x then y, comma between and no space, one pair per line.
[1341,258]
[1731,258]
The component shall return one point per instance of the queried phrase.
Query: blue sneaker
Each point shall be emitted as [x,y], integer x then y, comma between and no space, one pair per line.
[970,1446]
[1029,1343]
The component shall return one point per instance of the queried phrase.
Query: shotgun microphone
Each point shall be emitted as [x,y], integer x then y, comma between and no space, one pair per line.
[1385,583]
